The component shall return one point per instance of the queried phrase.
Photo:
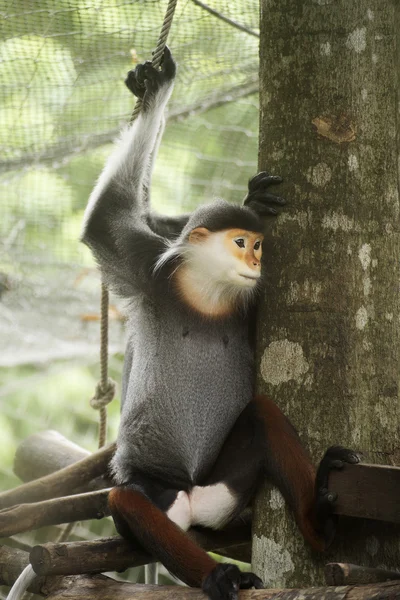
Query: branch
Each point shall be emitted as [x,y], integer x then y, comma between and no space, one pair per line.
[80,507]
[99,587]
[67,151]
[48,451]
[61,482]
[348,574]
[219,15]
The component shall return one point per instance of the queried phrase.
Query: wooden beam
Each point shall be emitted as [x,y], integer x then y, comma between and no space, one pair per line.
[367,491]
[61,482]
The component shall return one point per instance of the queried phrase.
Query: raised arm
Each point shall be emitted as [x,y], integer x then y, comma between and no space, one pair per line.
[116,226]
[164,225]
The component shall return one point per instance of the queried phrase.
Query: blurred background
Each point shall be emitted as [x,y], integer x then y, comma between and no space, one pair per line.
[62,103]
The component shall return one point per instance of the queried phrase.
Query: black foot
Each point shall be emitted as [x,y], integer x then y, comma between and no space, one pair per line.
[225,581]
[335,458]
[144,81]
[259,199]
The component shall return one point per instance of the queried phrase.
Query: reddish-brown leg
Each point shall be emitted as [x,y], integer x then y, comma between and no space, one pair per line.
[288,465]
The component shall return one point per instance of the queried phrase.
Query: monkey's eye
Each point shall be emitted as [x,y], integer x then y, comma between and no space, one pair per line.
[257,245]
[240,242]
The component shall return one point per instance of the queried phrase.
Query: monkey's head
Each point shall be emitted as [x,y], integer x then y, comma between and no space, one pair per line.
[219,253]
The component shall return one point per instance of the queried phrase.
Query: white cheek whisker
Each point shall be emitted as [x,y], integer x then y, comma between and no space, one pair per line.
[211,272]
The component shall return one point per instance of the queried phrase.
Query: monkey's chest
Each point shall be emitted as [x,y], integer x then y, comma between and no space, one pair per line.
[184,395]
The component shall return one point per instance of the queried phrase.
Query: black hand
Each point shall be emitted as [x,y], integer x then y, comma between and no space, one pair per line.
[224,582]
[258,197]
[145,78]
[334,458]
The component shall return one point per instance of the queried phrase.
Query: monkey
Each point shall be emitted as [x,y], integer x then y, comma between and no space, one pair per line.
[194,440]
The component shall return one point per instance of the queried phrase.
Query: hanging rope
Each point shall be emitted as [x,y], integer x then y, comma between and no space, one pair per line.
[105,389]
[159,51]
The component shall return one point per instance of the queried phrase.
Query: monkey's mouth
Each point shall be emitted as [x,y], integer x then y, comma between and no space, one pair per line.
[251,277]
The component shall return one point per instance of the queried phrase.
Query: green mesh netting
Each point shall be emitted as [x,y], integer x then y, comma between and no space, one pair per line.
[62,102]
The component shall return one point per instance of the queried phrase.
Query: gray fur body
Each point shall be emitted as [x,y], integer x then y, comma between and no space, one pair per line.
[179,405]
[186,379]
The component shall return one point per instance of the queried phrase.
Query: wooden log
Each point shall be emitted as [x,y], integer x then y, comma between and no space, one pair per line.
[99,587]
[368,491]
[61,482]
[12,562]
[45,452]
[348,574]
[48,451]
[116,554]
[24,517]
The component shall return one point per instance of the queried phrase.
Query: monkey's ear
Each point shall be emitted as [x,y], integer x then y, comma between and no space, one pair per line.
[200,234]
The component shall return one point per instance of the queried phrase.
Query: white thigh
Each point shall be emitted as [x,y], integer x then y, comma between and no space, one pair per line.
[180,512]
[212,505]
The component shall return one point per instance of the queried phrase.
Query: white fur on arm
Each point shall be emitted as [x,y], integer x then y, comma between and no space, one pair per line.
[130,163]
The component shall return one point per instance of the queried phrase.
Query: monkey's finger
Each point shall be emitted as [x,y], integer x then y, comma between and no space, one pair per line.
[249,580]
[168,64]
[133,85]
[261,196]
[253,182]
[263,209]
[264,180]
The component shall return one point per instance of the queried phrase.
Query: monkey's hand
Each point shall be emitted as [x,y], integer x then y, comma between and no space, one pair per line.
[258,197]
[225,581]
[334,458]
[145,81]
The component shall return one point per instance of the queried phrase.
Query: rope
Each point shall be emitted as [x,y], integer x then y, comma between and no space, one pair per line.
[105,389]
[159,51]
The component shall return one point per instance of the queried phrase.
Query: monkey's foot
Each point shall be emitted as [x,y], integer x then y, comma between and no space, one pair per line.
[258,197]
[225,581]
[145,80]
[334,458]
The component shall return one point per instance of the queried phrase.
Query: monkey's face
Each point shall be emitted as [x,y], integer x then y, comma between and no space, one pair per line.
[231,257]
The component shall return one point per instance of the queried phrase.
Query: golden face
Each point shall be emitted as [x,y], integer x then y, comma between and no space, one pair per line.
[245,246]
[232,255]
[221,269]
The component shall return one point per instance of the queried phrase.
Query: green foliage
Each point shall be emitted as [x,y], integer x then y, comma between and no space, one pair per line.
[57,397]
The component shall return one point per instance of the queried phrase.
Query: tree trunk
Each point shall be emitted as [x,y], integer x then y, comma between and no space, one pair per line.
[329,323]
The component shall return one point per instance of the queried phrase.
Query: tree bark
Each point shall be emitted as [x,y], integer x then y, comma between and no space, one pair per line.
[329,322]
